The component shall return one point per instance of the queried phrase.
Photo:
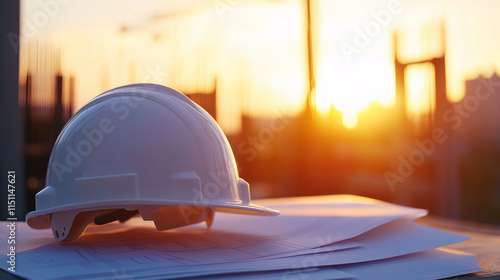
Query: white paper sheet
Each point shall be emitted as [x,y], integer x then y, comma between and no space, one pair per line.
[396,238]
[306,224]
[427,265]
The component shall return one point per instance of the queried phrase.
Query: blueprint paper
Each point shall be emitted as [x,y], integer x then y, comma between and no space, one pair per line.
[397,238]
[345,216]
[431,264]
[235,242]
[427,265]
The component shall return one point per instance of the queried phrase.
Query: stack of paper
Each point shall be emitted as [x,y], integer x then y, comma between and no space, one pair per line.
[326,237]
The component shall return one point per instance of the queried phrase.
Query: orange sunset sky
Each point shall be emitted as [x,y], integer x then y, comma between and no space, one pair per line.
[256,49]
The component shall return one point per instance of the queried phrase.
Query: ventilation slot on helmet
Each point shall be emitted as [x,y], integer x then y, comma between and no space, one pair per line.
[121,215]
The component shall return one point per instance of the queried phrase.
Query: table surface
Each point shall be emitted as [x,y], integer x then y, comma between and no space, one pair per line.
[484,242]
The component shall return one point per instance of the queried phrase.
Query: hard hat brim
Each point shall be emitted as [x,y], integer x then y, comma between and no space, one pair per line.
[40,219]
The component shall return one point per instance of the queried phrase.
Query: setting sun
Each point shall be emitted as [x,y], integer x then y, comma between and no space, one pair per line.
[349,120]
[351,87]
[257,68]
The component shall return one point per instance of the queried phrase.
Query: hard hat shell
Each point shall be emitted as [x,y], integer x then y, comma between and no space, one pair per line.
[140,148]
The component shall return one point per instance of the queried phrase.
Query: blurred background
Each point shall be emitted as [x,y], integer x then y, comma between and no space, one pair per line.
[391,99]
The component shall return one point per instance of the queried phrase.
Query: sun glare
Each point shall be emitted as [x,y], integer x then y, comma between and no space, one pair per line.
[420,89]
[352,87]
[264,62]
[350,119]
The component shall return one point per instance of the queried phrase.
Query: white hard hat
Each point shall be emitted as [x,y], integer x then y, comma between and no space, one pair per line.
[145,149]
